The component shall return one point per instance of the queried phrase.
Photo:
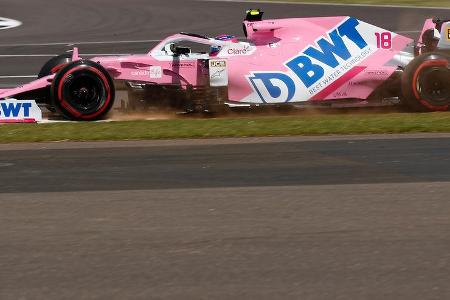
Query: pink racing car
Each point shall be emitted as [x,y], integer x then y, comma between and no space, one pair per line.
[317,61]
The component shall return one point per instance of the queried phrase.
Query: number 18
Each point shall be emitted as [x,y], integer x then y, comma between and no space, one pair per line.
[384,40]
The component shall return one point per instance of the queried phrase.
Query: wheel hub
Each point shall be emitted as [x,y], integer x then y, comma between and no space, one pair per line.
[433,85]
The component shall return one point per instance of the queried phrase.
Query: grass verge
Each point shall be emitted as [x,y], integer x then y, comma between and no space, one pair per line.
[230,127]
[436,3]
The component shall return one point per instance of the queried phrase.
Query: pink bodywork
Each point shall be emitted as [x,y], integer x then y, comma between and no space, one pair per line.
[270,46]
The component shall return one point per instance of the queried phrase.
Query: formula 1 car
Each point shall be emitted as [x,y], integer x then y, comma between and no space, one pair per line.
[318,61]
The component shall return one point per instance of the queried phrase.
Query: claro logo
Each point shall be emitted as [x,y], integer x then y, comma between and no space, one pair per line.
[241,51]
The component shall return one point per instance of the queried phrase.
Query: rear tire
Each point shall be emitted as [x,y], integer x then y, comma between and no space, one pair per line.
[426,83]
[83,90]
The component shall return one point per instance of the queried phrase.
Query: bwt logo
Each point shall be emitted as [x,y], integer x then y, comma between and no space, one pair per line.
[14,110]
[276,87]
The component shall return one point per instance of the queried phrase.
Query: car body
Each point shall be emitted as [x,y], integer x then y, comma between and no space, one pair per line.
[318,61]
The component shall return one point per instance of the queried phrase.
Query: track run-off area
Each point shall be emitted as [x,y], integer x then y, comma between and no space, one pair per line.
[341,217]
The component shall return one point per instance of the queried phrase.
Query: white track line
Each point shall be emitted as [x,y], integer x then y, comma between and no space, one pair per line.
[6,23]
[17,76]
[26,55]
[330,4]
[51,55]
[146,41]
[80,43]
[408,31]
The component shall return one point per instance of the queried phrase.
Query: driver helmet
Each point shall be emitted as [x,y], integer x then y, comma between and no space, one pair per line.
[224,38]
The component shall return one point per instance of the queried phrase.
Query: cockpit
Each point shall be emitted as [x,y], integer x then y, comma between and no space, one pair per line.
[191,45]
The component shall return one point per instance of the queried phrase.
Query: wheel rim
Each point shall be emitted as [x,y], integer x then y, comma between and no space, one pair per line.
[84,91]
[433,85]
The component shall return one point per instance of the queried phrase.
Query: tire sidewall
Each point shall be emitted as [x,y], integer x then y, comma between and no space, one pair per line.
[411,95]
[70,111]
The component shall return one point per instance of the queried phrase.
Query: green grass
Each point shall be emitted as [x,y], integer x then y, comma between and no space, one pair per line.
[437,3]
[316,124]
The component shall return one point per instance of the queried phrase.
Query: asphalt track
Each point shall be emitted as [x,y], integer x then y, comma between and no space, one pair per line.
[277,218]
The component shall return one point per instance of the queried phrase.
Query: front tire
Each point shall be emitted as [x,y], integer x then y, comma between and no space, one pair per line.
[83,91]
[426,83]
[55,64]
